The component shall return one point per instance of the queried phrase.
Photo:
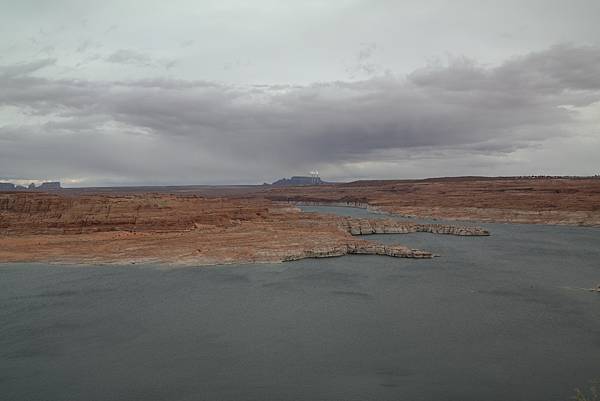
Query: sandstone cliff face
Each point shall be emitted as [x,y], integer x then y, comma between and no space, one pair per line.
[359,248]
[397,251]
[389,226]
[46,213]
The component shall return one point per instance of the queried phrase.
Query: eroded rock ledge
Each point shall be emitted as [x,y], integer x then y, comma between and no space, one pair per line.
[388,226]
[362,248]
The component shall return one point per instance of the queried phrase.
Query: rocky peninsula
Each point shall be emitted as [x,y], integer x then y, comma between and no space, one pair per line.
[390,226]
[183,229]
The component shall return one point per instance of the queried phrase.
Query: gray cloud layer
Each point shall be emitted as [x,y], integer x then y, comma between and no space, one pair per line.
[176,131]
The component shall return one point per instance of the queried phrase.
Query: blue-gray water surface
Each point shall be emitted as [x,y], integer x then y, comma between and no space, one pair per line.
[494,318]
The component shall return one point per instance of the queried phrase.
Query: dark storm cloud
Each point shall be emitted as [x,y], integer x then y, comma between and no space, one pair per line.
[169,130]
[553,71]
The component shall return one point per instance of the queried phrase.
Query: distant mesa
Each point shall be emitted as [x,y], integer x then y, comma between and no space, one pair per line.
[298,180]
[49,186]
[45,186]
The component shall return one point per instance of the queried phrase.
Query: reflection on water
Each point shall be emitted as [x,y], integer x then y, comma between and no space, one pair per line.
[494,318]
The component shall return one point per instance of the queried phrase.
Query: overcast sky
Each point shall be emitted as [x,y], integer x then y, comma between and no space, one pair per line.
[204,92]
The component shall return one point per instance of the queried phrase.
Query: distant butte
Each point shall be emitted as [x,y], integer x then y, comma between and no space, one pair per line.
[298,181]
[45,186]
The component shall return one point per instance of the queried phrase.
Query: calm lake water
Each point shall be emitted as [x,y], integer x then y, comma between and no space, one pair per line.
[494,318]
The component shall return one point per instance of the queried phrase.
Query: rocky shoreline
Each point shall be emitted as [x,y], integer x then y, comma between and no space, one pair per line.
[188,230]
[364,248]
[553,201]
[388,226]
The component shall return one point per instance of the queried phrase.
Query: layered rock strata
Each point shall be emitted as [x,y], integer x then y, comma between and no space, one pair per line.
[31,213]
[389,226]
[186,230]
[361,248]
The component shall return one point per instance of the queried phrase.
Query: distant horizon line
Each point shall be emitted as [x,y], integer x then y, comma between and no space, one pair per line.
[473,177]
